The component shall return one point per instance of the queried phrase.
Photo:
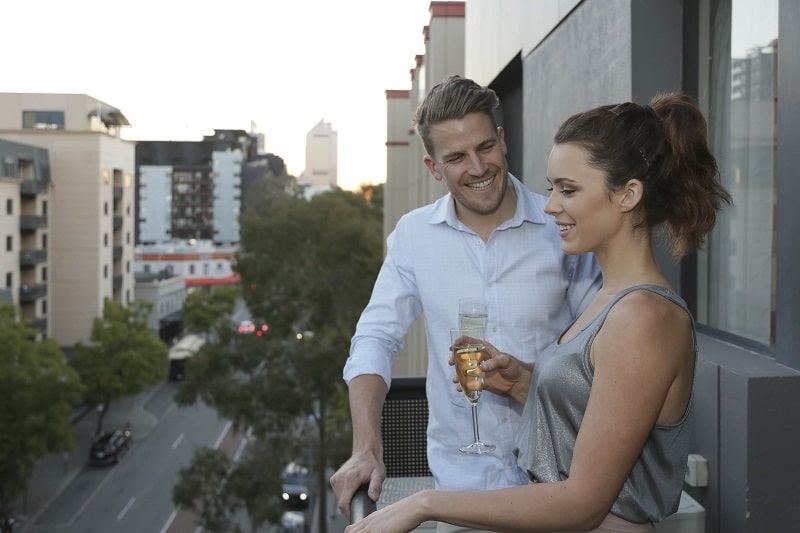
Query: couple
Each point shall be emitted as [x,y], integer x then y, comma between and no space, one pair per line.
[590,413]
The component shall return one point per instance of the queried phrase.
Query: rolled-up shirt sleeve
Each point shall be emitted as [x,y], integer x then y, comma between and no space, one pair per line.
[393,307]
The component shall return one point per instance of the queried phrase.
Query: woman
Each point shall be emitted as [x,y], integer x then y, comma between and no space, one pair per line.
[607,406]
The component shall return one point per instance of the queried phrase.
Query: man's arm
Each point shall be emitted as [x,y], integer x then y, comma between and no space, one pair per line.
[367,393]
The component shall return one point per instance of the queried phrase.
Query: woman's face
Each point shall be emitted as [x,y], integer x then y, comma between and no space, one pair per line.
[588,214]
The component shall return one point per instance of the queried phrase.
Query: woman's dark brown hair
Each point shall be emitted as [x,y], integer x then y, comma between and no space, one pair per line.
[664,145]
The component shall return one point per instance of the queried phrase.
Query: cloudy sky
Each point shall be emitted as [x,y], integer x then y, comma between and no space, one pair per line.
[178,69]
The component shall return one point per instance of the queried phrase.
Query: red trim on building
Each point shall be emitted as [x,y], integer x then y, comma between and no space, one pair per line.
[398,93]
[447,9]
[426,34]
[204,282]
[419,58]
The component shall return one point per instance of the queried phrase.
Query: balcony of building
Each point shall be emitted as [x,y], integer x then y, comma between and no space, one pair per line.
[31,188]
[30,292]
[31,258]
[32,222]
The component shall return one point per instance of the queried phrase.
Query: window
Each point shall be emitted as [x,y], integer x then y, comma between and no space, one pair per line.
[44,241]
[9,243]
[191,269]
[105,271]
[44,273]
[9,206]
[44,306]
[737,284]
[105,208]
[44,207]
[147,268]
[43,120]
[9,280]
[105,240]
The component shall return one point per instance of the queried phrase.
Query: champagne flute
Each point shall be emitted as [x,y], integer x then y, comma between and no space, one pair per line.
[472,312]
[468,351]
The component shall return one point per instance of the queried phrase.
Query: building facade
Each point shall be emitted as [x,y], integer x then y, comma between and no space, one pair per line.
[201,264]
[550,59]
[90,211]
[24,262]
[192,190]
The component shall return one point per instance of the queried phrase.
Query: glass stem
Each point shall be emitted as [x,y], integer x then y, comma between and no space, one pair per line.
[475,422]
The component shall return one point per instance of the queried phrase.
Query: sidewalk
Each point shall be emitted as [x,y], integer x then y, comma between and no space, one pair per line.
[54,472]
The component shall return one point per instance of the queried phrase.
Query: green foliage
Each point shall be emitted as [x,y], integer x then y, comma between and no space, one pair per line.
[39,393]
[124,357]
[307,267]
[202,310]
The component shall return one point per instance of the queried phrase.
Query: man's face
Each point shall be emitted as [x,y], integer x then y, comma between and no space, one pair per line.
[470,157]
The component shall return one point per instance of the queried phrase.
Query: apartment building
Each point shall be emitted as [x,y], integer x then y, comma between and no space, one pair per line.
[24,262]
[551,58]
[192,189]
[89,210]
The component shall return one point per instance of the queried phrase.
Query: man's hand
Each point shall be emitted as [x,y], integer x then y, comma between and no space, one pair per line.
[356,471]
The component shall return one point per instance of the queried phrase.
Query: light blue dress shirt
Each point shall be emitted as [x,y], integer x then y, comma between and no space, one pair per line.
[533,291]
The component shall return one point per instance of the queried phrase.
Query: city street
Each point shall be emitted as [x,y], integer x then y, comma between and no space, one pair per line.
[135,495]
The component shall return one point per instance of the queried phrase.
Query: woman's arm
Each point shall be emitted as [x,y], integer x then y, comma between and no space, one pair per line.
[637,356]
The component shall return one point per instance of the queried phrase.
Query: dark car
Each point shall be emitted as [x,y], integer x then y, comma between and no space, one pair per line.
[295,486]
[110,446]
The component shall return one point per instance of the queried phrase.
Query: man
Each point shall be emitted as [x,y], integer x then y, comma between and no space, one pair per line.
[489,237]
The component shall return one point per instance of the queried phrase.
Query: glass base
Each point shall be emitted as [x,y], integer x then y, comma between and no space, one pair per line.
[477,448]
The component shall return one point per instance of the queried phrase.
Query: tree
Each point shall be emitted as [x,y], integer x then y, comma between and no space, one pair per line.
[202,310]
[307,271]
[124,357]
[39,392]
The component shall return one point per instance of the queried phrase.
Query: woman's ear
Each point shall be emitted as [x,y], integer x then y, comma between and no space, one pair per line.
[631,195]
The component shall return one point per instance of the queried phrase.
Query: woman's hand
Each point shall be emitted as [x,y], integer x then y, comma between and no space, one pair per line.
[400,517]
[505,374]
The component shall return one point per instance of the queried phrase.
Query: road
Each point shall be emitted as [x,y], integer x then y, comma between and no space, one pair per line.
[135,496]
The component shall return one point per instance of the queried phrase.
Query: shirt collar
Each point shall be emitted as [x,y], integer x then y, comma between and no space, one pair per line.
[527,210]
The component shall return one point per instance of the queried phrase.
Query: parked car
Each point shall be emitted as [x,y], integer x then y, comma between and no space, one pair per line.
[110,446]
[295,486]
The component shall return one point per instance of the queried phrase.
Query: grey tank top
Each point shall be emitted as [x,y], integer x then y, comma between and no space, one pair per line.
[560,387]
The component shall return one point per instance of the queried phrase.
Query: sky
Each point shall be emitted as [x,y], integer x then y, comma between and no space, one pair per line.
[178,69]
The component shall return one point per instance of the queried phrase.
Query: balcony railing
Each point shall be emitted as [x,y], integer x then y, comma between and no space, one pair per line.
[28,258]
[117,223]
[39,323]
[30,293]
[117,282]
[33,187]
[117,253]
[32,222]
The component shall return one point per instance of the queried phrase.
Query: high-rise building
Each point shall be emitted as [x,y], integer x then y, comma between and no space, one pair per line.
[321,158]
[89,210]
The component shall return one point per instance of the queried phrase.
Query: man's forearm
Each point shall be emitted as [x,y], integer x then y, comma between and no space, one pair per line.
[367,394]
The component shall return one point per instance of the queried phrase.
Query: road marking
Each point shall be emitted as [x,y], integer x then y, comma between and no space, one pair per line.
[177,441]
[169,521]
[126,508]
[222,435]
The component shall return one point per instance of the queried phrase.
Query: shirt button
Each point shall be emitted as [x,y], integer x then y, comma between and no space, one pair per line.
[479,242]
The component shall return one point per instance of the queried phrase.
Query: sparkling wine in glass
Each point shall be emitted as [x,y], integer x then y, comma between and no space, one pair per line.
[468,351]
[472,312]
